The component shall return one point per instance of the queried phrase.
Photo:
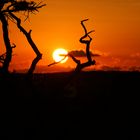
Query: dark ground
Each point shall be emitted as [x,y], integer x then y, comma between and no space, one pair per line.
[96,105]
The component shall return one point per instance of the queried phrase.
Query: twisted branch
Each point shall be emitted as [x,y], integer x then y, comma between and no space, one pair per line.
[89,62]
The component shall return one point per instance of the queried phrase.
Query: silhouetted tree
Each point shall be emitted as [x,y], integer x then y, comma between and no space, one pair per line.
[5,58]
[87,42]
[70,87]
[7,10]
[86,39]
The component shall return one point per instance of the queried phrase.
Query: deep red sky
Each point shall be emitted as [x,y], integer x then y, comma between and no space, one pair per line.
[116,24]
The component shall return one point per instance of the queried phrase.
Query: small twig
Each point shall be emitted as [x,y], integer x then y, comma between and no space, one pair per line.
[58,61]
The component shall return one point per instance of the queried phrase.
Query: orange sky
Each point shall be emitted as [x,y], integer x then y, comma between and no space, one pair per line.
[116,24]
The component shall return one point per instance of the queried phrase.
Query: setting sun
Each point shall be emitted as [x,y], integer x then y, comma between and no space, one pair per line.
[59,55]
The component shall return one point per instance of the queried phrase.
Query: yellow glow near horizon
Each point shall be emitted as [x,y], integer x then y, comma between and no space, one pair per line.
[58,55]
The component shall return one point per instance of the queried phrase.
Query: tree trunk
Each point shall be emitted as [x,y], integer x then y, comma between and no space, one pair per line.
[7,44]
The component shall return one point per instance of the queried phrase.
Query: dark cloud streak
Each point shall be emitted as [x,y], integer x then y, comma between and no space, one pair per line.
[81,53]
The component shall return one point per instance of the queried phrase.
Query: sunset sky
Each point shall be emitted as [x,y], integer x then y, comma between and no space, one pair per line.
[57,25]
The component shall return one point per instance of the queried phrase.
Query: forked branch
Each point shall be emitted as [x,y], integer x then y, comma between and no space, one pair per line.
[83,40]
[86,41]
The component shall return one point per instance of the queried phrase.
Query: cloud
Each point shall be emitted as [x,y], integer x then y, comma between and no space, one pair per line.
[81,53]
[135,55]
[100,53]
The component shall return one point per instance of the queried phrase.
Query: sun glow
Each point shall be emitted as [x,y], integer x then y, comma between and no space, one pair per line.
[59,55]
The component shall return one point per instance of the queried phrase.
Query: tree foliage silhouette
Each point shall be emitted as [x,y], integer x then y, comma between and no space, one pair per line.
[8,8]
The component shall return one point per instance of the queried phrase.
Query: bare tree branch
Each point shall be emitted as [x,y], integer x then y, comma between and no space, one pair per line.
[30,40]
[68,55]
[89,62]
[8,55]
[58,61]
[33,65]
[74,59]
[27,34]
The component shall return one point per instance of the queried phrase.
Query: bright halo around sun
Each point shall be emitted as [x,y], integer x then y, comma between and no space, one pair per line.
[59,55]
